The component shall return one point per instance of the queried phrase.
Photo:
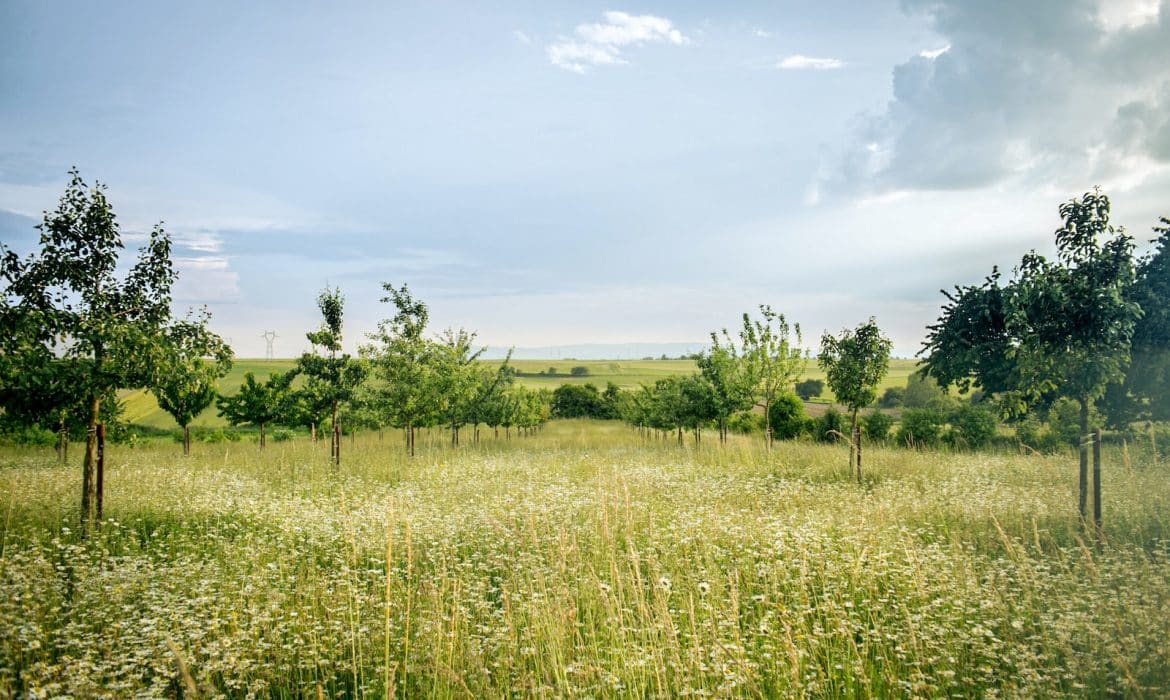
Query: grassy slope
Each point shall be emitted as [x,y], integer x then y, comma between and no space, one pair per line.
[141,408]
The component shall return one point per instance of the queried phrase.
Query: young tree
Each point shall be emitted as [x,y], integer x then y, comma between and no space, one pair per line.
[772,349]
[1072,318]
[732,379]
[191,365]
[69,300]
[1060,328]
[332,375]
[854,365]
[258,404]
[456,375]
[403,363]
[810,388]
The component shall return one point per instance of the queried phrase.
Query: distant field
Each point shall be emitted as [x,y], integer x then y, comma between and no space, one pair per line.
[142,409]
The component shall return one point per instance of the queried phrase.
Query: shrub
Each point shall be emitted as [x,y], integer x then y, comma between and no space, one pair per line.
[282,435]
[877,425]
[893,397]
[810,388]
[579,371]
[1064,421]
[920,391]
[921,427]
[830,422]
[972,426]
[787,416]
[745,423]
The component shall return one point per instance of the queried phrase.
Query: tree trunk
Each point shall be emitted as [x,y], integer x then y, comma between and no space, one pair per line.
[335,453]
[1083,482]
[186,440]
[62,441]
[680,433]
[854,446]
[768,424]
[262,436]
[88,486]
[1097,482]
[313,431]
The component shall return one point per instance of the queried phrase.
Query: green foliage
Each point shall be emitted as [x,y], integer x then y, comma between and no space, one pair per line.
[579,371]
[282,435]
[332,377]
[193,362]
[922,390]
[258,404]
[731,376]
[403,362]
[877,425]
[830,426]
[921,427]
[1064,421]
[772,350]
[855,363]
[788,419]
[972,426]
[810,388]
[75,325]
[579,401]
[893,397]
[745,423]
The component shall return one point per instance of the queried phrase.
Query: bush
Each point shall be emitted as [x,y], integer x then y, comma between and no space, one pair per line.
[584,401]
[746,423]
[810,388]
[31,436]
[787,416]
[920,391]
[877,425]
[921,427]
[282,435]
[893,397]
[579,371]
[972,426]
[830,422]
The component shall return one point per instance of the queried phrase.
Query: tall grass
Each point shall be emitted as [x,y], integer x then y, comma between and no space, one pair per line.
[581,561]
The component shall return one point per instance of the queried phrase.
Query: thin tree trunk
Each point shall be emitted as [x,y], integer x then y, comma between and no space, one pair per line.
[88,492]
[186,440]
[262,436]
[99,486]
[336,451]
[1083,482]
[1097,482]
[857,443]
[854,446]
[768,424]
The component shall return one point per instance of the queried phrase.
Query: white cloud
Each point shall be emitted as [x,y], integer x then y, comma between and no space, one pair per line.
[799,62]
[1033,95]
[934,53]
[521,37]
[601,44]
[763,34]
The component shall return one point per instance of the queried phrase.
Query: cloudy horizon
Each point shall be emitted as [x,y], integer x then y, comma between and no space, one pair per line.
[556,174]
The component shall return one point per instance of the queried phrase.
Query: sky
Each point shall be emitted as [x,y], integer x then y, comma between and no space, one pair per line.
[560,173]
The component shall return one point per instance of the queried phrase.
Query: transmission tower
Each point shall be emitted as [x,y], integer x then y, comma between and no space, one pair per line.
[268,337]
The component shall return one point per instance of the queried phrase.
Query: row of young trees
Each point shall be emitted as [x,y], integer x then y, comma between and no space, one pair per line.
[404,379]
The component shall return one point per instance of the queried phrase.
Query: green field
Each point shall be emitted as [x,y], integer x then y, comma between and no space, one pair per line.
[140,408]
[582,561]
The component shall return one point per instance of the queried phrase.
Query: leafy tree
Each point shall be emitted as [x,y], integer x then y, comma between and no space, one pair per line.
[455,378]
[403,363]
[772,349]
[1063,327]
[921,427]
[810,388]
[732,378]
[258,404]
[921,390]
[1071,317]
[192,364]
[69,300]
[788,418]
[332,376]
[489,398]
[578,401]
[579,371]
[855,363]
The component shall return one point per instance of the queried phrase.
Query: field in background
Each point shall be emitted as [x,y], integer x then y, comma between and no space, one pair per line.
[582,561]
[142,409]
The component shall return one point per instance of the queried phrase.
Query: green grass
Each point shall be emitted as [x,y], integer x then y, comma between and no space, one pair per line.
[140,407]
[583,561]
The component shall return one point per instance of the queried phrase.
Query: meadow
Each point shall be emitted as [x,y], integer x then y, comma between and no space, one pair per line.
[140,407]
[582,561]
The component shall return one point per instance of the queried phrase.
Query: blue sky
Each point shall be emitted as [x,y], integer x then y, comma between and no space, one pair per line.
[554,173]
